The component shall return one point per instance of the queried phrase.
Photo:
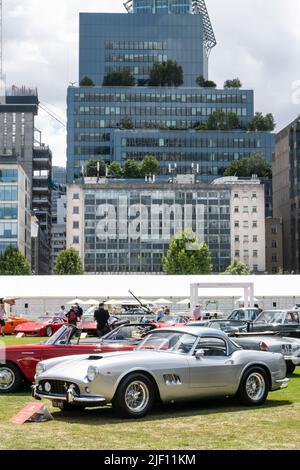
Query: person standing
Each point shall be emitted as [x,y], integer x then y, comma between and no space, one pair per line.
[79,311]
[2,317]
[198,313]
[101,316]
[63,312]
[160,314]
[72,316]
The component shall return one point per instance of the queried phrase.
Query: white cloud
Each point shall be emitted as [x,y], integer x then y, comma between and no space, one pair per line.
[258,41]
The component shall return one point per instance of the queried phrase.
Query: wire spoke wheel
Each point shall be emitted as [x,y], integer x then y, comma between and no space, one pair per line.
[137,396]
[255,386]
[7,379]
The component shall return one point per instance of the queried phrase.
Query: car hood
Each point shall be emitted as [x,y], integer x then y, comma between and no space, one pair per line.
[32,325]
[267,339]
[76,367]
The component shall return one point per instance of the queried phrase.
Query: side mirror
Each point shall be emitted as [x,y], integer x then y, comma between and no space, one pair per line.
[200,354]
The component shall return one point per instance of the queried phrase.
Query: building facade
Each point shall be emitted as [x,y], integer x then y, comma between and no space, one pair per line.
[247,221]
[18,136]
[128,228]
[286,192]
[15,206]
[274,246]
[59,212]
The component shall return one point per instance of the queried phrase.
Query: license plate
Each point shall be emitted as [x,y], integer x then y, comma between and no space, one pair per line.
[58,404]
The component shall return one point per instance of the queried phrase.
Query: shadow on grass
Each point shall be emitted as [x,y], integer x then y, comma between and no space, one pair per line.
[106,415]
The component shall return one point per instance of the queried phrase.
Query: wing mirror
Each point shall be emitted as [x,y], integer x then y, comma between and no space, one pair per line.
[200,354]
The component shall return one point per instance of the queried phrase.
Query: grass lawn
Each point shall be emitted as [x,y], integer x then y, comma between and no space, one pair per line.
[221,424]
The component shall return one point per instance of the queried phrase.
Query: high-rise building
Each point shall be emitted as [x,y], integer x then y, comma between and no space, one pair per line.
[59,212]
[15,206]
[115,123]
[18,138]
[286,192]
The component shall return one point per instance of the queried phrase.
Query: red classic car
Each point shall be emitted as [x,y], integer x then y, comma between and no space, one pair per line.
[44,326]
[18,363]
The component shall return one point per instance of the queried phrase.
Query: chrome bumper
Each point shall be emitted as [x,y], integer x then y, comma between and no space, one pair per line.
[283,383]
[70,397]
[294,359]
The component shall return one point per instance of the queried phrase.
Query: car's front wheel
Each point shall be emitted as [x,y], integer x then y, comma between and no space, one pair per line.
[134,397]
[49,331]
[10,378]
[254,387]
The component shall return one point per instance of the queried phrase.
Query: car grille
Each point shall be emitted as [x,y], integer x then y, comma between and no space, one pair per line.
[58,387]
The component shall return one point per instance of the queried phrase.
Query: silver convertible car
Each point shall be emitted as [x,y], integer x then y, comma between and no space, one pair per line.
[170,365]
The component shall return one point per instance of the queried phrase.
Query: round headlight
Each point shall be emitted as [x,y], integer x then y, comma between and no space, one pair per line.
[91,373]
[40,368]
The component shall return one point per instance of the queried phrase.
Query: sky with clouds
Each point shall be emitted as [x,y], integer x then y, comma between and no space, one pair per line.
[258,41]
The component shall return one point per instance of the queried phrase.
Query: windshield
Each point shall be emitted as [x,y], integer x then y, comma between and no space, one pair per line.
[128,333]
[172,319]
[45,319]
[88,318]
[271,316]
[169,342]
[63,335]
[228,325]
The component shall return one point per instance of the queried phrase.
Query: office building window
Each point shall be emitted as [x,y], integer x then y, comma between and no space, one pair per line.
[76,225]
[274,229]
[76,210]
[75,240]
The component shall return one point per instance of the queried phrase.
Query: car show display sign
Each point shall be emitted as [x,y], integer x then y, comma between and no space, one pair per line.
[32,413]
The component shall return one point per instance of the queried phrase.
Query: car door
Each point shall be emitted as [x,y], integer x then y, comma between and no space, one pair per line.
[215,373]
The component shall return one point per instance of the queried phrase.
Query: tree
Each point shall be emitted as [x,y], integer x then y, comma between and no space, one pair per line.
[92,168]
[203,83]
[235,83]
[166,74]
[200,126]
[86,81]
[68,263]
[122,78]
[248,166]
[259,122]
[132,169]
[126,123]
[115,169]
[238,268]
[186,256]
[149,166]
[14,263]
[222,121]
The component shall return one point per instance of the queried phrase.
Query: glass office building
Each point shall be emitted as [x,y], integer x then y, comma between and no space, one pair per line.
[98,116]
[15,214]
[118,228]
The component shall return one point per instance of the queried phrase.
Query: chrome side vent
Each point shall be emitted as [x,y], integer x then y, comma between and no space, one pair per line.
[171,379]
